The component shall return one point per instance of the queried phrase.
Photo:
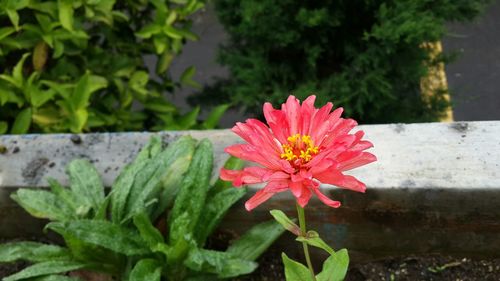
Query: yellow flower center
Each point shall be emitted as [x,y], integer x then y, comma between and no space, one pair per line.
[299,147]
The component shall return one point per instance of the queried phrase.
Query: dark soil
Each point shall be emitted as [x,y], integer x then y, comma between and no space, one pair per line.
[412,268]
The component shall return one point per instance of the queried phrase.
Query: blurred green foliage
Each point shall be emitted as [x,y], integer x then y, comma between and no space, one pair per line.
[364,55]
[78,65]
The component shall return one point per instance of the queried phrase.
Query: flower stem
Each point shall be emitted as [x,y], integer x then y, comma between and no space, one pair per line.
[302,224]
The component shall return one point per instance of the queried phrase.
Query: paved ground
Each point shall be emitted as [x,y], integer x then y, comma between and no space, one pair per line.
[474,78]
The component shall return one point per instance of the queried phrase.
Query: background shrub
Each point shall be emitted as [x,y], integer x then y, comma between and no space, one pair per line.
[365,55]
[78,65]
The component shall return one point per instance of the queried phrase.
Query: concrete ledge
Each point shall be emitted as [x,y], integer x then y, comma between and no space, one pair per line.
[435,188]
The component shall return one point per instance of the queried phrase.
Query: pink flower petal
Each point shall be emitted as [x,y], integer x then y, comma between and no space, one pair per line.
[304,197]
[335,177]
[354,162]
[260,197]
[326,200]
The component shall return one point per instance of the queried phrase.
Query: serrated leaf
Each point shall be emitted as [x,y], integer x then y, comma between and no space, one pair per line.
[287,223]
[335,267]
[312,238]
[192,194]
[104,234]
[32,252]
[42,204]
[214,210]
[86,183]
[255,241]
[295,271]
[220,263]
[146,270]
[148,232]
[46,268]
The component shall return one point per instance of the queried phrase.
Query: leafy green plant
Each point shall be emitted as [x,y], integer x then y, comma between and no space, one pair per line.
[73,66]
[114,234]
[364,55]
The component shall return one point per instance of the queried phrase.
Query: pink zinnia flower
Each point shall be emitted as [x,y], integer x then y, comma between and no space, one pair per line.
[302,147]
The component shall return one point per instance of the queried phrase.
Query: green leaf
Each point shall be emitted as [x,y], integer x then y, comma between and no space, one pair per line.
[17,72]
[295,271]
[39,97]
[32,252]
[86,183]
[46,268]
[125,181]
[147,183]
[103,259]
[164,61]
[138,82]
[78,120]
[148,232]
[6,31]
[255,241]
[312,238]
[287,223]
[4,127]
[149,30]
[187,77]
[171,181]
[214,117]
[68,198]
[335,267]
[220,263]
[14,17]
[55,278]
[65,8]
[172,32]
[194,188]
[160,105]
[146,270]
[214,211]
[161,43]
[104,234]
[42,204]
[87,85]
[189,119]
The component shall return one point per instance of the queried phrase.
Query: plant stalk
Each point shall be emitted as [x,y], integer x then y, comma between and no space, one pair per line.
[303,230]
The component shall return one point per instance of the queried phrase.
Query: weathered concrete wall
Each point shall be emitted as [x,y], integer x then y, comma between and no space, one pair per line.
[435,187]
